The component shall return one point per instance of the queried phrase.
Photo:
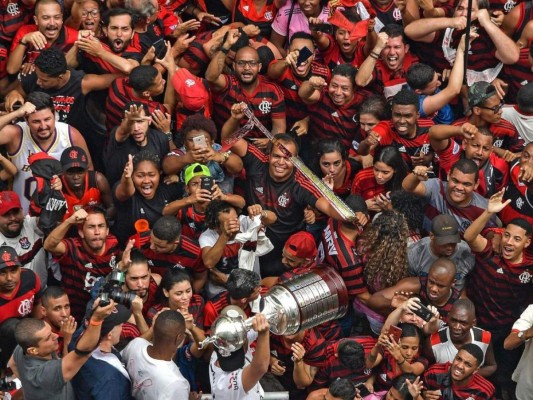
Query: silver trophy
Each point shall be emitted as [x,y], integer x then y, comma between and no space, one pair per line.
[305,301]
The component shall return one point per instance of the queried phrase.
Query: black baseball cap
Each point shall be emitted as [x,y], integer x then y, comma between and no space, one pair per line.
[74,157]
[9,257]
[445,229]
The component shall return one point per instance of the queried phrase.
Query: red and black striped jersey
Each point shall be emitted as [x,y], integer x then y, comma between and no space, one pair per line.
[14,14]
[266,101]
[505,288]
[96,65]
[80,270]
[521,205]
[195,54]
[67,37]
[406,146]
[289,83]
[329,121]
[333,55]
[365,184]
[196,309]
[518,74]
[214,306]
[388,14]
[3,61]
[505,135]
[20,303]
[526,14]
[192,222]
[389,82]
[187,255]
[493,175]
[247,12]
[333,368]
[389,369]
[341,253]
[437,377]
[443,310]
[119,94]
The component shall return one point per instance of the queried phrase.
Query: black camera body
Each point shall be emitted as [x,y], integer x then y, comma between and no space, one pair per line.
[111,289]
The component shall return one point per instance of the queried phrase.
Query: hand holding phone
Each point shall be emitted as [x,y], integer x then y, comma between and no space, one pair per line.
[303,55]
[423,312]
[199,142]
[323,27]
[363,390]
[207,184]
[395,332]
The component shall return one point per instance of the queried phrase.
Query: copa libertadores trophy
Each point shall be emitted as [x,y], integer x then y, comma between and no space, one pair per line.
[305,301]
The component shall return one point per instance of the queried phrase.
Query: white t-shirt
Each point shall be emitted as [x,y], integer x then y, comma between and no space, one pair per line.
[522,122]
[153,379]
[228,385]
[30,244]
[523,373]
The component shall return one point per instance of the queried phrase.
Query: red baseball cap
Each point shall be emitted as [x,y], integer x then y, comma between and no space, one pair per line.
[301,244]
[191,89]
[8,201]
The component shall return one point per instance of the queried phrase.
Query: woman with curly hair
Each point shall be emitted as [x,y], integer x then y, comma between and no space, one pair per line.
[384,247]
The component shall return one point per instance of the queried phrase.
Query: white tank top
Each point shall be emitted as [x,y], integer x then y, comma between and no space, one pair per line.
[24,183]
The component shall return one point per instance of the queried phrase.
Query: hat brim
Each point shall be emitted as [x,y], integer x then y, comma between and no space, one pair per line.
[68,166]
[231,363]
[442,240]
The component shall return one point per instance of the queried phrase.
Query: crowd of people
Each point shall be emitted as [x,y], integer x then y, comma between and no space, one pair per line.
[164,163]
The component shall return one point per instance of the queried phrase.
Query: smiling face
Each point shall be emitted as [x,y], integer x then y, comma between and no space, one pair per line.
[119,32]
[464,365]
[11,222]
[280,167]
[341,90]
[179,296]
[303,69]
[514,242]
[146,179]
[394,53]
[478,149]
[310,8]
[42,124]
[49,20]
[460,187]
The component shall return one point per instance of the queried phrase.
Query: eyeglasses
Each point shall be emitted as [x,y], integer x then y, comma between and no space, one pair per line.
[93,13]
[496,109]
[244,63]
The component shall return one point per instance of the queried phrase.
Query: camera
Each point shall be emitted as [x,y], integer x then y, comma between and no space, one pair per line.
[111,289]
[7,384]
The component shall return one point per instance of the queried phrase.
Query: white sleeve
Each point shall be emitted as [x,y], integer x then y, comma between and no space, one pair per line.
[208,238]
[525,321]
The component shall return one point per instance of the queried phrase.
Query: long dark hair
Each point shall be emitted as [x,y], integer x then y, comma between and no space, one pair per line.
[171,277]
[391,157]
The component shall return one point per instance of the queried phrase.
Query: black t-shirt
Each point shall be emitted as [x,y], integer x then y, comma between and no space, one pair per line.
[117,153]
[287,199]
[137,207]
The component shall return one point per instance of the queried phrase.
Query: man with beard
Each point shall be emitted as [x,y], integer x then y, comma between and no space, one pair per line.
[22,233]
[486,111]
[477,146]
[55,308]
[386,65]
[405,131]
[443,345]
[47,31]
[115,54]
[38,131]
[85,258]
[82,187]
[263,97]
[443,242]
[132,136]
[455,197]
[459,379]
[290,75]
[505,281]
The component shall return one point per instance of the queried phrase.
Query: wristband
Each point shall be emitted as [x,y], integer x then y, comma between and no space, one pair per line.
[23,43]
[226,155]
[82,353]
[264,214]
[374,55]
[224,50]
[95,323]
[400,363]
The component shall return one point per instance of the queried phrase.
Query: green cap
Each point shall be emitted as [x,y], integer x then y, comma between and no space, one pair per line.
[195,169]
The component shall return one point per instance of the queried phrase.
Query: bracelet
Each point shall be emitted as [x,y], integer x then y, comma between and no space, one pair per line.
[82,353]
[95,323]
[224,50]
[374,55]
[264,214]
[400,363]
[226,155]
[23,43]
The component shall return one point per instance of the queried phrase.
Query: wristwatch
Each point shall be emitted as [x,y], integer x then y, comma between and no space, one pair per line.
[521,335]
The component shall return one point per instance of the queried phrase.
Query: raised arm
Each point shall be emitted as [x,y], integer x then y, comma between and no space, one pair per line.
[413,181]
[506,50]
[425,29]
[261,360]
[311,90]
[366,70]
[54,241]
[125,189]
[440,135]
[213,74]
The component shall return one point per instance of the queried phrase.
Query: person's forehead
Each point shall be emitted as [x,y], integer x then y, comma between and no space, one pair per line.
[394,41]
[247,54]
[492,100]
[461,176]
[466,356]
[95,218]
[48,9]
[121,19]
[300,43]
[404,108]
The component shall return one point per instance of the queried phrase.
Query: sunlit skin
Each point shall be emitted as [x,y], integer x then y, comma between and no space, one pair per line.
[460,321]
[138,279]
[179,296]
[94,232]
[9,279]
[119,32]
[49,20]
[42,125]
[478,149]
[367,122]
[460,187]
[57,310]
[11,223]
[146,178]
[394,53]
[90,16]
[281,167]
[333,165]
[439,285]
[249,70]
[341,90]
[464,365]
[514,242]
[382,172]
[303,69]
[405,119]
[162,246]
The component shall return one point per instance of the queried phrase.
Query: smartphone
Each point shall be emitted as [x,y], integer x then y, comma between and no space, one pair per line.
[324,28]
[303,55]
[199,141]
[207,183]
[423,312]
[281,364]
[395,332]
[363,390]
[160,48]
